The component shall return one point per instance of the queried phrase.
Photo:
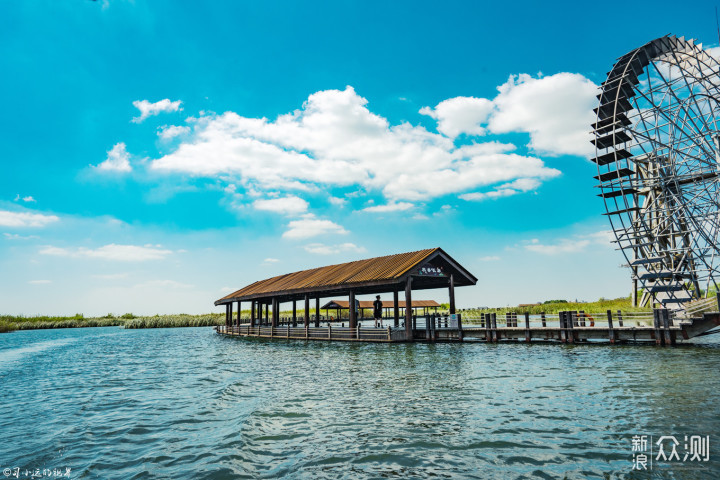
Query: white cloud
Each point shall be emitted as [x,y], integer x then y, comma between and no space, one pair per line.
[148,109]
[121,253]
[270,261]
[489,258]
[39,282]
[335,140]
[390,207]
[118,160]
[15,236]
[563,246]
[518,186]
[29,198]
[168,132]
[461,115]
[578,243]
[337,201]
[289,205]
[25,219]
[310,226]
[227,289]
[322,249]
[556,111]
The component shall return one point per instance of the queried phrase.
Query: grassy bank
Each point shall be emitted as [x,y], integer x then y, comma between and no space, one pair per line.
[9,323]
[555,306]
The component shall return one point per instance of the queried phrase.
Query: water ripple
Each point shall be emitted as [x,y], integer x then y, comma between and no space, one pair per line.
[187,403]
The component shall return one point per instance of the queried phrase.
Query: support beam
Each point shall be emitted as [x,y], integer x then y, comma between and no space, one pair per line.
[267,306]
[239,313]
[229,313]
[306,320]
[452,294]
[408,311]
[275,312]
[353,314]
[294,317]
[317,312]
[396,309]
[252,313]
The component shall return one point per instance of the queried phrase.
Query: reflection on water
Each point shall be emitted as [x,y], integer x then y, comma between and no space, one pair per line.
[187,403]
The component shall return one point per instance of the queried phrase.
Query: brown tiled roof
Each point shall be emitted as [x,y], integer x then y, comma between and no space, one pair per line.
[386,304]
[376,269]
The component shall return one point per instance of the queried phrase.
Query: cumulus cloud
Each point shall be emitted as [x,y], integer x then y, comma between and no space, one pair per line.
[168,132]
[461,115]
[310,226]
[289,205]
[25,219]
[322,249]
[148,109]
[120,253]
[518,186]
[118,160]
[39,282]
[390,207]
[556,111]
[335,140]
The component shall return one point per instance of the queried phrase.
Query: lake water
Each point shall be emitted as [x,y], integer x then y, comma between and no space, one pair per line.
[187,403]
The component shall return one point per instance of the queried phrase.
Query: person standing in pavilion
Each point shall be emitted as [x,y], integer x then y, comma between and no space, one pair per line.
[377,311]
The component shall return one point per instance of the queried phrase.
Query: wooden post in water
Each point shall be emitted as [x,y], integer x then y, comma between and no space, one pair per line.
[408,309]
[620,319]
[527,327]
[461,334]
[659,340]
[611,330]
[666,327]
[306,319]
[353,315]
[563,328]
[570,321]
[542,319]
[488,338]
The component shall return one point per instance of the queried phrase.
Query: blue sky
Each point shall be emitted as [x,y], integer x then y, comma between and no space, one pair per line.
[157,155]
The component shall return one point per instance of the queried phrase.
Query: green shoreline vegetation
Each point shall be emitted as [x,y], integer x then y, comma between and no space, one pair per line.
[10,323]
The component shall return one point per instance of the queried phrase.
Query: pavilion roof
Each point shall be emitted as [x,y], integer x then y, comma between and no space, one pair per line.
[373,275]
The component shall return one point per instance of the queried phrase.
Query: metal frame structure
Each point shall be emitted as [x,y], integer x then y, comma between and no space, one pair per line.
[657,141]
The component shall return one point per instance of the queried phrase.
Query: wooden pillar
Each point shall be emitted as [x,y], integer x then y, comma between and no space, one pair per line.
[307,311]
[267,306]
[227,314]
[452,294]
[353,317]
[252,313]
[317,311]
[527,326]
[659,340]
[275,312]
[542,319]
[396,309]
[667,323]
[408,308]
[239,313]
[611,330]
[495,336]
[294,319]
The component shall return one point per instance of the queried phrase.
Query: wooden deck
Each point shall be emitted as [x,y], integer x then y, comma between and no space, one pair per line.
[658,327]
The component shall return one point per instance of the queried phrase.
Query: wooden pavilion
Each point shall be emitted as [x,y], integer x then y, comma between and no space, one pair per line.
[420,270]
